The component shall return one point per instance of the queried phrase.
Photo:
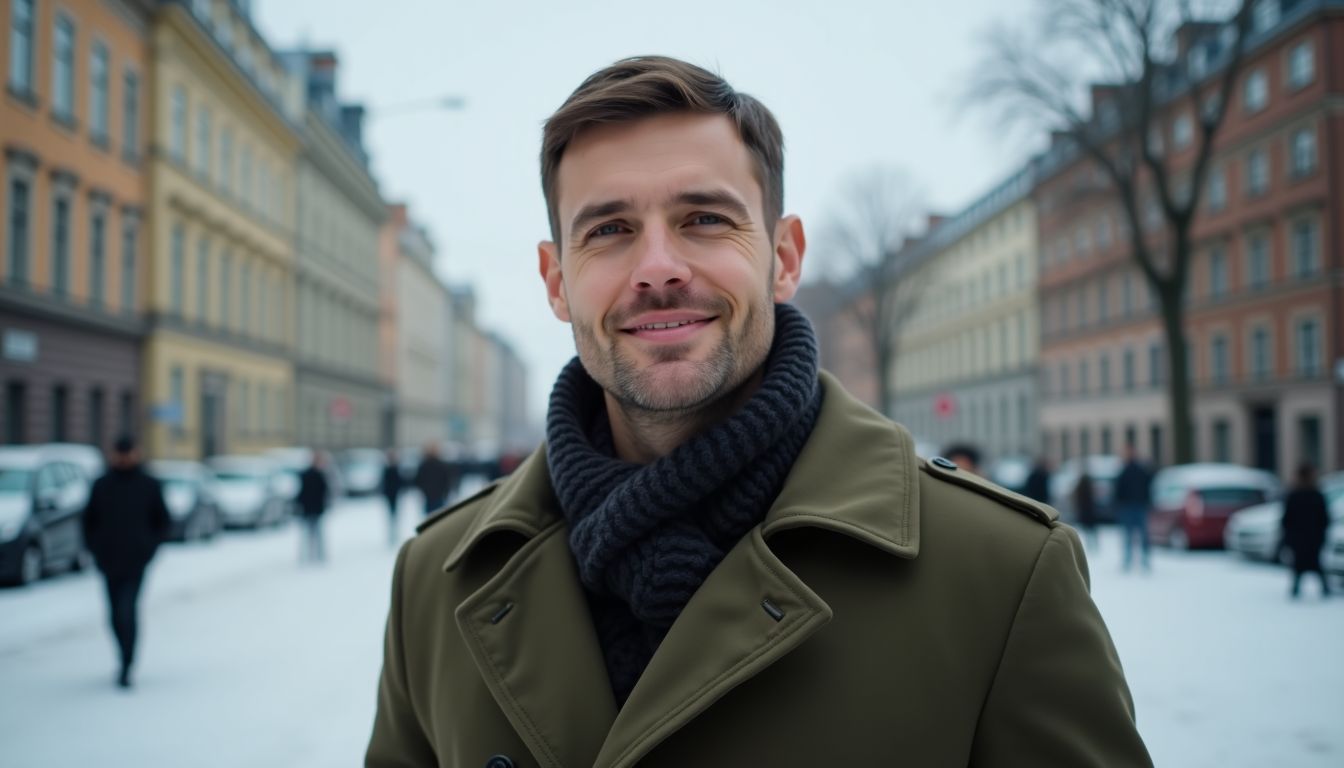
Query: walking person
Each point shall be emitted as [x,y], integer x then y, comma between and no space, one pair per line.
[1132,498]
[392,484]
[433,478]
[1306,516]
[1085,506]
[719,556]
[314,495]
[1037,487]
[124,522]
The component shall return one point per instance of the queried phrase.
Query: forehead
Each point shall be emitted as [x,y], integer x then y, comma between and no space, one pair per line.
[650,159]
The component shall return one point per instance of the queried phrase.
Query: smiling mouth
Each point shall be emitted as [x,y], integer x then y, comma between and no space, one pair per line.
[666,326]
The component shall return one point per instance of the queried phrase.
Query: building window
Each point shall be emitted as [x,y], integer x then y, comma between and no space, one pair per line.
[1084,382]
[1301,65]
[21,46]
[1218,360]
[1103,300]
[1222,441]
[1182,132]
[63,68]
[19,204]
[1104,373]
[130,115]
[1084,442]
[177,278]
[225,288]
[97,417]
[1257,260]
[1217,272]
[203,130]
[1255,92]
[245,176]
[1260,361]
[126,413]
[244,408]
[1266,15]
[1217,188]
[129,243]
[1304,152]
[245,295]
[97,256]
[226,159]
[202,277]
[98,93]
[60,413]
[1128,369]
[1064,388]
[1155,372]
[1308,348]
[178,136]
[177,384]
[1127,295]
[1257,172]
[1309,440]
[1304,246]
[60,245]
[16,412]
[1155,444]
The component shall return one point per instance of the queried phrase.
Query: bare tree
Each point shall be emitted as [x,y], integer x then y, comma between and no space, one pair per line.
[872,221]
[1140,77]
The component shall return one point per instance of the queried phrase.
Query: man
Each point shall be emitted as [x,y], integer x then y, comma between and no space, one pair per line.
[1037,486]
[434,479]
[391,485]
[124,522]
[1132,498]
[720,557]
[1306,519]
[314,495]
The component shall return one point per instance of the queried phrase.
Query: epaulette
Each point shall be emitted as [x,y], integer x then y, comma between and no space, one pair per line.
[435,517]
[945,469]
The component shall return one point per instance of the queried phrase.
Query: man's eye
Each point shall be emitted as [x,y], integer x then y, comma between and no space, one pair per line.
[708,219]
[607,229]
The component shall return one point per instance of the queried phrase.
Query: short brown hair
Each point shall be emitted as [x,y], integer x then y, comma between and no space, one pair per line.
[645,86]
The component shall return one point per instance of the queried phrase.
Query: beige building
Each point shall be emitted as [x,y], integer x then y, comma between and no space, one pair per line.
[217,362]
[966,365]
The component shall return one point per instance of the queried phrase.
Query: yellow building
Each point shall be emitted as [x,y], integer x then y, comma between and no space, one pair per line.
[219,376]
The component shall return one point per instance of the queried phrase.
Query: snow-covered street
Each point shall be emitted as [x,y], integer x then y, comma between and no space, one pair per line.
[248,658]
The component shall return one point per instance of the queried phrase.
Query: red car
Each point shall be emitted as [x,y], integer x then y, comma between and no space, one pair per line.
[1192,502]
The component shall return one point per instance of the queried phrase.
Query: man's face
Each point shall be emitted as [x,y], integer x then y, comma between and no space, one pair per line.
[666,269]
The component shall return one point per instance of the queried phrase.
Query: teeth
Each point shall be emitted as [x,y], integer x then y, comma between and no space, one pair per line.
[663,326]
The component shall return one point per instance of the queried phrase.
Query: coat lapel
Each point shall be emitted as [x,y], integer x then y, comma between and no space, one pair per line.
[528,630]
[857,476]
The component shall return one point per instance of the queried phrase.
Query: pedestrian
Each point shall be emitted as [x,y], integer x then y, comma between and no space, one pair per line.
[314,495]
[1132,499]
[965,456]
[720,556]
[1306,516]
[124,522]
[434,478]
[1037,486]
[392,483]
[1085,505]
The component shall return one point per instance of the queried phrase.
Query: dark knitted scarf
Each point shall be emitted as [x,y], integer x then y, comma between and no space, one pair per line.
[646,536]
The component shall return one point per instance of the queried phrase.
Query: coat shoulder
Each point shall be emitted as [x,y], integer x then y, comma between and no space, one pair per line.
[993,495]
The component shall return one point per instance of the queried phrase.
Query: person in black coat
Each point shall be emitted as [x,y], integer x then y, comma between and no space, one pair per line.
[312,499]
[434,478]
[393,483]
[1306,516]
[1037,486]
[124,522]
[1132,498]
[1085,507]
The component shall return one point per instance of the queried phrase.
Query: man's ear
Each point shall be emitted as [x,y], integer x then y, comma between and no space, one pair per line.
[790,244]
[548,261]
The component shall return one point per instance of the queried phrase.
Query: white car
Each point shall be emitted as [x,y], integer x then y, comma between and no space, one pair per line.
[1102,468]
[189,492]
[1256,532]
[246,492]
[362,470]
[1332,557]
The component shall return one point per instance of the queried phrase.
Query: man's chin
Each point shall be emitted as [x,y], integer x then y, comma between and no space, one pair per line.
[671,386]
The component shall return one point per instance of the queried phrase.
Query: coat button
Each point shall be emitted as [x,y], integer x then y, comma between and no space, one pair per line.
[499,761]
[940,462]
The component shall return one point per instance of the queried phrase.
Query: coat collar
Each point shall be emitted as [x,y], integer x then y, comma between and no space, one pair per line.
[877,505]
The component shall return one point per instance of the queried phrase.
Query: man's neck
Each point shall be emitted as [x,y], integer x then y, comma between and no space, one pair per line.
[641,436]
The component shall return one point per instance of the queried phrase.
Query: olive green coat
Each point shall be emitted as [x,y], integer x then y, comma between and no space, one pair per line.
[887,611]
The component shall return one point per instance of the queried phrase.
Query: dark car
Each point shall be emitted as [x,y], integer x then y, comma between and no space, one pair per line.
[188,490]
[42,499]
[1192,502]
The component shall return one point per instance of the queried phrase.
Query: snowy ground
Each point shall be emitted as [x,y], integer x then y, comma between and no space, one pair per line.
[249,659]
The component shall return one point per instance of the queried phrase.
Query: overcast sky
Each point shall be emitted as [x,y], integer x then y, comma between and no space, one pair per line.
[853,83]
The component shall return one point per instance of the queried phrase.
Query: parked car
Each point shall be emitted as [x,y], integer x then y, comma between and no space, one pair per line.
[1011,472]
[189,491]
[248,492]
[1102,468]
[1192,502]
[1257,532]
[291,462]
[1332,557]
[87,457]
[42,500]
[362,470]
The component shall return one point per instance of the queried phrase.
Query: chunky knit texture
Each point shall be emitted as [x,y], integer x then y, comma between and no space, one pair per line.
[645,537]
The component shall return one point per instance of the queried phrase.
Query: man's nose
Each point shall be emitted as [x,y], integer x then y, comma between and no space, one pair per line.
[659,262]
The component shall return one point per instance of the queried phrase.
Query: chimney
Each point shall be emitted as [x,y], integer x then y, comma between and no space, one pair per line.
[352,124]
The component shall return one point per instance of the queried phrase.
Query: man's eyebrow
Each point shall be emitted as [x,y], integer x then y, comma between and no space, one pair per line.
[715,198]
[602,210]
